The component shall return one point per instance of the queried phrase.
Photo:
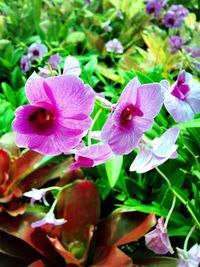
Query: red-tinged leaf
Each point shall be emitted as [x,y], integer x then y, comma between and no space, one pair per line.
[16,193]
[139,231]
[20,227]
[15,247]
[123,227]
[41,263]
[22,167]
[68,257]
[4,168]
[111,257]
[80,206]
[7,143]
[25,163]
[49,172]
[15,208]
[158,262]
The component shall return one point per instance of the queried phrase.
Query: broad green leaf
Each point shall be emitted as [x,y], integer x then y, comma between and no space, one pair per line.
[9,93]
[113,169]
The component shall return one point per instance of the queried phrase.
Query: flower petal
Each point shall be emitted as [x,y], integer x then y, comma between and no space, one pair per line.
[121,141]
[180,110]
[35,91]
[150,99]
[142,158]
[72,66]
[70,95]
[129,93]
[170,136]
[165,150]
[61,140]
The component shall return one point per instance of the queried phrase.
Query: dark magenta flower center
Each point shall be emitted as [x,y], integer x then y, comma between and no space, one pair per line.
[42,118]
[171,21]
[181,89]
[36,52]
[128,113]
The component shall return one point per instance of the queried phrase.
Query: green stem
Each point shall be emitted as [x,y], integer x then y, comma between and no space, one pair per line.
[188,237]
[58,194]
[164,176]
[170,212]
[179,197]
[90,130]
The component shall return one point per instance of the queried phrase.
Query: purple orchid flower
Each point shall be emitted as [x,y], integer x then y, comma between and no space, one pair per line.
[91,156]
[154,7]
[158,240]
[154,153]
[172,20]
[182,100]
[176,43]
[72,66]
[189,258]
[54,60]
[58,115]
[25,63]
[48,219]
[114,46]
[179,10]
[132,116]
[37,50]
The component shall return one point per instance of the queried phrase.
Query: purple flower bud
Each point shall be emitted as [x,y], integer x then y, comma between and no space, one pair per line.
[190,258]
[172,20]
[114,46]
[158,240]
[25,63]
[176,43]
[54,60]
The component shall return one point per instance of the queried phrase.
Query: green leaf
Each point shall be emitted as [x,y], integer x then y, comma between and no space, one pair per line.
[9,93]
[143,78]
[75,37]
[113,169]
[189,124]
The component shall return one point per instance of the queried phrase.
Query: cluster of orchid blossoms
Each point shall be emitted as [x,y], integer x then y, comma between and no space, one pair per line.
[57,120]
[174,16]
